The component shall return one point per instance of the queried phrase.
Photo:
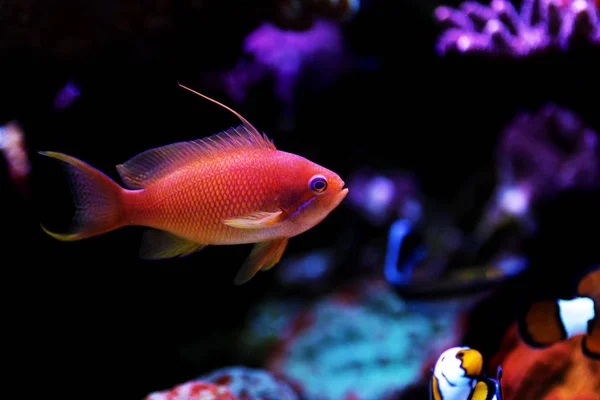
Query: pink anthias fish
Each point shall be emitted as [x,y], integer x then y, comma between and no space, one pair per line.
[233,187]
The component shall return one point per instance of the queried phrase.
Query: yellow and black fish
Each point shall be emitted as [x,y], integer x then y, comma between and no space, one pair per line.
[457,375]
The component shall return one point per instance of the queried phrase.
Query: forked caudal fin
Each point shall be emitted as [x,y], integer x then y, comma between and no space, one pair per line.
[97,200]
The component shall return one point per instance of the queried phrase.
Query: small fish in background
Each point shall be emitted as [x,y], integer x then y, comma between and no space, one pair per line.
[234,187]
[457,375]
[66,96]
[547,322]
[300,14]
[13,147]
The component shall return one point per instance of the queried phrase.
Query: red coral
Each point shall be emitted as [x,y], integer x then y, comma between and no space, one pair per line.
[194,391]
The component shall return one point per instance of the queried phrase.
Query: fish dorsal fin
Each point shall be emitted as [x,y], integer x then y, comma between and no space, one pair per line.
[152,165]
[245,122]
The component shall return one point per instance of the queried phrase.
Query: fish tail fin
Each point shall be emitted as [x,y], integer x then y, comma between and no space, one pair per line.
[97,198]
[541,325]
[591,342]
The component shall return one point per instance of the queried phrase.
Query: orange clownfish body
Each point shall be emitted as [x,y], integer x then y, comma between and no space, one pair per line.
[233,187]
[546,322]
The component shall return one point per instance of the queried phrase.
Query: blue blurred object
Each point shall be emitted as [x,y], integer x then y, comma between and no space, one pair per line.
[251,383]
[400,275]
[66,96]
[363,342]
[310,269]
[401,271]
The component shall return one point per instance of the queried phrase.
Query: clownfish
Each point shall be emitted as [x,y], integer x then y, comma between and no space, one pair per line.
[457,375]
[546,322]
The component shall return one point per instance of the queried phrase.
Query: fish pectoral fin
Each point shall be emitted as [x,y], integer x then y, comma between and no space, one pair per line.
[263,253]
[256,220]
[276,256]
[483,390]
[157,244]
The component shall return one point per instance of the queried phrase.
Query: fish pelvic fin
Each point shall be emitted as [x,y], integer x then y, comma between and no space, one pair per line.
[276,256]
[158,244]
[97,198]
[265,253]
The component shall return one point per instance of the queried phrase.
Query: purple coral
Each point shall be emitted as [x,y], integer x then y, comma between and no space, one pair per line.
[548,151]
[500,29]
[540,155]
[284,54]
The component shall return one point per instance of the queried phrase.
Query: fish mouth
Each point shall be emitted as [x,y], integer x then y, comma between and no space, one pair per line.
[343,190]
[340,196]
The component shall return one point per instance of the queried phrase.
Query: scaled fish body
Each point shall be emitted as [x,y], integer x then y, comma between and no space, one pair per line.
[546,322]
[233,187]
[457,375]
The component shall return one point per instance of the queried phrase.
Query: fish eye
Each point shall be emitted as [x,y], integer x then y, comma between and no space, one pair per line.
[317,184]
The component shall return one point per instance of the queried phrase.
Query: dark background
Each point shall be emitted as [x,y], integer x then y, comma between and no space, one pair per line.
[90,319]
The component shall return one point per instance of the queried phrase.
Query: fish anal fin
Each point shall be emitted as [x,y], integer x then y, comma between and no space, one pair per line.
[158,244]
[154,164]
[256,220]
[276,256]
[261,254]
